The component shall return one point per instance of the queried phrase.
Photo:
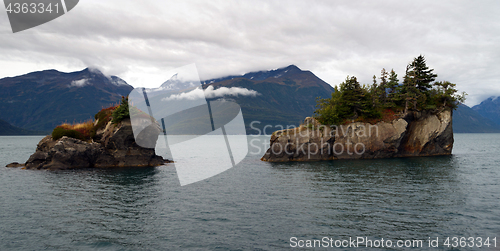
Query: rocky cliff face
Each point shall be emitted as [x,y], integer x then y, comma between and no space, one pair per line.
[114,146]
[413,134]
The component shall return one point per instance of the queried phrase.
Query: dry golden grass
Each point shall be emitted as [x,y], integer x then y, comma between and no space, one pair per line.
[87,125]
[84,128]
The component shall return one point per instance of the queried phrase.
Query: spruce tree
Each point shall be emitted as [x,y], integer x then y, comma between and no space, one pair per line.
[351,101]
[353,97]
[383,86]
[393,81]
[409,91]
[417,83]
[421,75]
[374,92]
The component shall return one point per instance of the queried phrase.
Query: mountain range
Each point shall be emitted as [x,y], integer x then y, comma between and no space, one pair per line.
[39,101]
[8,129]
[489,108]
[286,96]
[467,120]
[42,100]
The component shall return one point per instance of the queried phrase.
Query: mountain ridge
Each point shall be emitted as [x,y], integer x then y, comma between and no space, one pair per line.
[256,75]
[287,96]
[467,120]
[43,99]
[277,74]
[489,108]
[7,129]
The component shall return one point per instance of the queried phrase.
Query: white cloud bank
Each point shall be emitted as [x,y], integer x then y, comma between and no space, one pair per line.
[232,91]
[79,83]
[211,92]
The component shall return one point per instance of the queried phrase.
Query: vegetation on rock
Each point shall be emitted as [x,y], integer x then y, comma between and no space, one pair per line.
[81,131]
[352,101]
[104,116]
[87,130]
[121,112]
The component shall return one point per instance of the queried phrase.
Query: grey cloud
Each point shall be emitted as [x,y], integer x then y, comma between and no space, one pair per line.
[333,39]
[210,92]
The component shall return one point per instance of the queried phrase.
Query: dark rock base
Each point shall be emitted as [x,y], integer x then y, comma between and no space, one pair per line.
[115,147]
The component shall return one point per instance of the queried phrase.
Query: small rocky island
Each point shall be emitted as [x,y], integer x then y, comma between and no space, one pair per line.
[385,120]
[413,134]
[106,142]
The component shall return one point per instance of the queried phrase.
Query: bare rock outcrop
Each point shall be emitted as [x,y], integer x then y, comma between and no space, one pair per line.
[113,146]
[413,134]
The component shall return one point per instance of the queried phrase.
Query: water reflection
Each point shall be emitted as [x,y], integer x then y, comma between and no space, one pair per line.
[256,205]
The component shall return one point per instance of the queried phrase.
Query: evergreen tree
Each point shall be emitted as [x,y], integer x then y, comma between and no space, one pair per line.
[393,81]
[353,98]
[374,92]
[383,77]
[382,92]
[421,75]
[327,112]
[351,101]
[447,94]
[394,97]
[121,112]
[408,91]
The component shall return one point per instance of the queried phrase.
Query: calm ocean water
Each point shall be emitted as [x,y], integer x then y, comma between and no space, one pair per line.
[256,205]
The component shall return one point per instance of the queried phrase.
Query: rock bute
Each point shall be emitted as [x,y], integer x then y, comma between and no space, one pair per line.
[412,134]
[114,146]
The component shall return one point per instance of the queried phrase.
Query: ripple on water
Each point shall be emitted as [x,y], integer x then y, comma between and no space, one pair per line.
[256,205]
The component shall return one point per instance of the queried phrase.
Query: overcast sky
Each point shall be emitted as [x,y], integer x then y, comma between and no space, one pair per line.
[141,41]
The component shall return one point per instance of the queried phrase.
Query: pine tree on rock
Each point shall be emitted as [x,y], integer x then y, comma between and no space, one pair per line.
[393,81]
[381,101]
[353,97]
[420,73]
[384,85]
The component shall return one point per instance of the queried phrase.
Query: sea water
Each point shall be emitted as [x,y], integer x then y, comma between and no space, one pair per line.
[257,205]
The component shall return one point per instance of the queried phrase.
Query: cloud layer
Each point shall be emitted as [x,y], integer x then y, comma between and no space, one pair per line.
[210,92]
[79,83]
[141,40]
